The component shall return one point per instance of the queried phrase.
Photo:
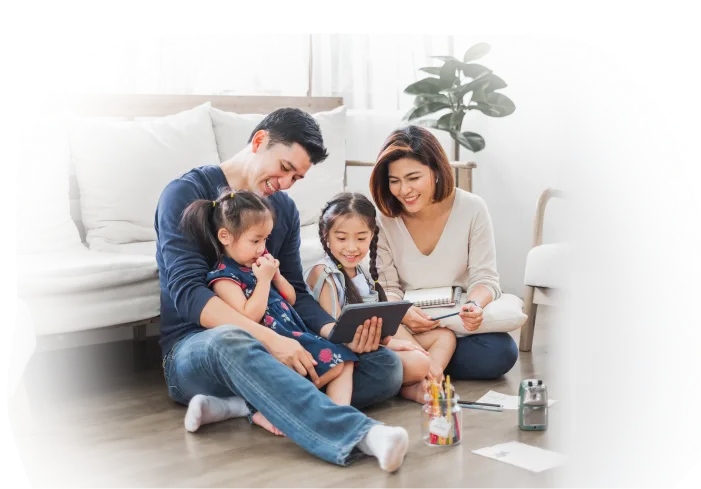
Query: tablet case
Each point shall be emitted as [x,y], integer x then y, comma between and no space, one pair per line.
[353,315]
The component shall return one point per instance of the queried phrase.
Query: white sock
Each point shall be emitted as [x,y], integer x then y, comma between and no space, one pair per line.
[388,444]
[209,409]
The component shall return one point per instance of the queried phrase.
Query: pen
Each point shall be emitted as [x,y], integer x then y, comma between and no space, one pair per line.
[481,405]
[446,316]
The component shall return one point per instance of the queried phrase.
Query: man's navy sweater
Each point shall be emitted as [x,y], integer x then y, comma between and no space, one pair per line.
[182,268]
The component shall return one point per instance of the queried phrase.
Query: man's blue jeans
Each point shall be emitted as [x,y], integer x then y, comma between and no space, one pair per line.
[227,361]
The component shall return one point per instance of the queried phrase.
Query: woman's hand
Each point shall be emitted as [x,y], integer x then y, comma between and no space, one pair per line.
[404,345]
[471,316]
[367,337]
[418,321]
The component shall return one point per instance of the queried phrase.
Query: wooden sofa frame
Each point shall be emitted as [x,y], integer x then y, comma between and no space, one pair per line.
[128,107]
[537,295]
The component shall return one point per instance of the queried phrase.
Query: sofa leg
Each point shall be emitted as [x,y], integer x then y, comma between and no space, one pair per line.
[526,341]
[21,419]
[139,332]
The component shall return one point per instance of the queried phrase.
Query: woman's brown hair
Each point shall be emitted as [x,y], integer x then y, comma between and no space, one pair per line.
[419,144]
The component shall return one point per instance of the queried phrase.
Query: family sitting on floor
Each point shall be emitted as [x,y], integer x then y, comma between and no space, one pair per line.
[244,327]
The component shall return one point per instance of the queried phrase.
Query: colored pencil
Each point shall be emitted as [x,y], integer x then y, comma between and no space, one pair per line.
[449,409]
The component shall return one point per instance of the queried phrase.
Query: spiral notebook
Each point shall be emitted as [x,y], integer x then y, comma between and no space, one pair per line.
[435,297]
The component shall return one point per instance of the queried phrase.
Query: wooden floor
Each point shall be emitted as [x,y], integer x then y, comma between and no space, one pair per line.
[101,418]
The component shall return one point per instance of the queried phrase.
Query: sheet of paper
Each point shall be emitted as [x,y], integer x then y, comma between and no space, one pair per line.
[521,455]
[509,402]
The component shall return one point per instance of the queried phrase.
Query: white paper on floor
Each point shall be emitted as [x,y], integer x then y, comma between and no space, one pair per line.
[521,455]
[509,402]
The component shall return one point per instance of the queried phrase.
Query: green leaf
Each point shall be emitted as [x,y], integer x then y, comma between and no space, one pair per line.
[425,109]
[479,93]
[451,121]
[433,124]
[476,52]
[495,83]
[459,92]
[427,85]
[448,73]
[501,104]
[470,140]
[485,108]
[426,98]
[431,70]
[474,70]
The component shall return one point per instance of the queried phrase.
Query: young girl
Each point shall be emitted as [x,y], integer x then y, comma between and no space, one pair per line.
[348,232]
[231,232]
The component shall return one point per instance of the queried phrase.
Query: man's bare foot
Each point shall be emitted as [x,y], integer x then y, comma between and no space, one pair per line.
[263,422]
[415,392]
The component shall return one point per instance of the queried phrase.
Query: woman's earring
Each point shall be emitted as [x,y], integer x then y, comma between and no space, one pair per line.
[436,179]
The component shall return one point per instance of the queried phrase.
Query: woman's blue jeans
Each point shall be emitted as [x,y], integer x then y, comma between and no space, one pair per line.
[482,356]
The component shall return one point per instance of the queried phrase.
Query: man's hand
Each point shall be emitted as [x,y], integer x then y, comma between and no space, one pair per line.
[418,321]
[291,353]
[367,337]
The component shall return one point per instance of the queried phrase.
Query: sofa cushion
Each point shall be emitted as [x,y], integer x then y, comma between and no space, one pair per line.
[546,266]
[500,316]
[85,289]
[44,206]
[93,309]
[310,248]
[122,167]
[146,248]
[323,180]
[80,270]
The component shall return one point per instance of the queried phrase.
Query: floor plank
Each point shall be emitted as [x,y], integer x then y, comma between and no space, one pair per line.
[101,418]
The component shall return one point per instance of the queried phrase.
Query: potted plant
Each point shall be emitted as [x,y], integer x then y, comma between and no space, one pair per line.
[454,89]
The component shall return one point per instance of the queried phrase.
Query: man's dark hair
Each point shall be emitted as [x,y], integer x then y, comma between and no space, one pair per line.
[289,126]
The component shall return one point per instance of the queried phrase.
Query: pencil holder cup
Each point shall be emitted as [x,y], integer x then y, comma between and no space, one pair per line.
[441,422]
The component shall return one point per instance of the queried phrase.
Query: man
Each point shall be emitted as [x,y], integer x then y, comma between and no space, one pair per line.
[219,357]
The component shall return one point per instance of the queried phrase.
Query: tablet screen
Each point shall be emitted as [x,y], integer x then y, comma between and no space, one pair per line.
[354,315]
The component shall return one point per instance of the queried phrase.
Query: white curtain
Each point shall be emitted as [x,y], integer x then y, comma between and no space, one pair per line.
[368,71]
[261,64]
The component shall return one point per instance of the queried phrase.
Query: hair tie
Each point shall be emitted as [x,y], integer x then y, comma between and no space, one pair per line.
[376,281]
[214,203]
[232,195]
[340,267]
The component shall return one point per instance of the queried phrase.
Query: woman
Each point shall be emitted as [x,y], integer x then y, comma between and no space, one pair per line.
[433,235]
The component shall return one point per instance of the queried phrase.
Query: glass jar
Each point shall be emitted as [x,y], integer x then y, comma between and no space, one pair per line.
[438,428]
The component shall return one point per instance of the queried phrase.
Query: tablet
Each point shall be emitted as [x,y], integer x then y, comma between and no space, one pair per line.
[353,315]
